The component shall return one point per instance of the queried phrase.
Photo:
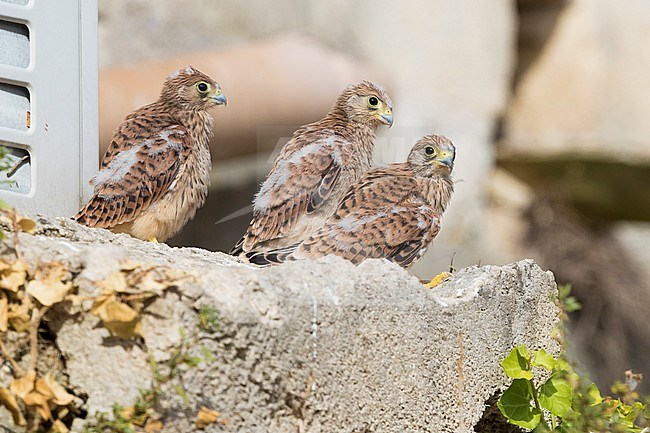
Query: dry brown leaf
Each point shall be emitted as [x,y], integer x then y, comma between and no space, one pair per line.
[48,285]
[176,276]
[4,312]
[119,318]
[153,426]
[40,402]
[13,276]
[40,397]
[205,417]
[157,279]
[60,396]
[27,225]
[43,388]
[48,293]
[59,427]
[23,385]
[19,315]
[8,400]
[129,265]
[100,301]
[76,300]
[115,282]
[128,412]
[139,279]
[152,283]
[62,412]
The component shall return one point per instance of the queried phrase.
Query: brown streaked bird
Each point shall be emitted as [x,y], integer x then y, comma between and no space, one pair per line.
[393,212]
[156,171]
[315,168]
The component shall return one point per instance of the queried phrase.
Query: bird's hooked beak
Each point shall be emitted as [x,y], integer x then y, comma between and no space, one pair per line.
[218,96]
[445,157]
[386,116]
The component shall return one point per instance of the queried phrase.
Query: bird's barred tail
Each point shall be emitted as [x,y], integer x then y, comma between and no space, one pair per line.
[82,217]
[273,257]
[238,249]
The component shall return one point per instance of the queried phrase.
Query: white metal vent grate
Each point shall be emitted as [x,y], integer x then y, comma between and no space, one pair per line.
[48,102]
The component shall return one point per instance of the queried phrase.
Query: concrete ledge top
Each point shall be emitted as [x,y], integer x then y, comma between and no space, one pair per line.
[313,346]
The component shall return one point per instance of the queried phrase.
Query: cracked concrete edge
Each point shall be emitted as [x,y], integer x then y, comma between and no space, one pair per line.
[364,348]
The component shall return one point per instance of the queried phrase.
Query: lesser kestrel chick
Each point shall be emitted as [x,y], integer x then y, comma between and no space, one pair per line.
[393,212]
[156,171]
[315,168]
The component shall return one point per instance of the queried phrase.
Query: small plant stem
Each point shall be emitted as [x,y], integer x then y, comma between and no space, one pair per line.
[33,336]
[537,405]
[138,296]
[15,228]
[461,379]
[17,368]
[553,422]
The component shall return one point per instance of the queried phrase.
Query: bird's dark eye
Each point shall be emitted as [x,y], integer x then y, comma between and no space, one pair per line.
[429,150]
[203,87]
[373,101]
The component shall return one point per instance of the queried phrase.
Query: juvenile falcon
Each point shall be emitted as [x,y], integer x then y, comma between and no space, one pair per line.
[393,212]
[315,168]
[156,171]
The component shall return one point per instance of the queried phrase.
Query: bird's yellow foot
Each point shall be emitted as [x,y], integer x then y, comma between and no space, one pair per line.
[153,239]
[437,280]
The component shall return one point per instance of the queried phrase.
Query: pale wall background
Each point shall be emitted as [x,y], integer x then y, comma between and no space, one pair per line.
[440,82]
[546,100]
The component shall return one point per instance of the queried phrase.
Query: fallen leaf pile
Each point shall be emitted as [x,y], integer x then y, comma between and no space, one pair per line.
[21,292]
[43,394]
[50,284]
[125,292]
[39,394]
[17,223]
[14,308]
[36,400]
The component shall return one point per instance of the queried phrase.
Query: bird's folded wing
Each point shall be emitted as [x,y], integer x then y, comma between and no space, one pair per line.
[139,171]
[399,233]
[378,188]
[298,184]
[324,188]
[414,243]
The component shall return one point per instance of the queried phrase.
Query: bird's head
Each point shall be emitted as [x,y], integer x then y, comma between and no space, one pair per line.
[366,103]
[191,89]
[433,154]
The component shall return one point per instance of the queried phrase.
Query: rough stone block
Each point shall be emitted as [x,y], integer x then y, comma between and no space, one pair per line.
[314,346]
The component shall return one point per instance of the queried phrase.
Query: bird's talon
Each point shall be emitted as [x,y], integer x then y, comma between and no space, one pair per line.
[437,280]
[153,239]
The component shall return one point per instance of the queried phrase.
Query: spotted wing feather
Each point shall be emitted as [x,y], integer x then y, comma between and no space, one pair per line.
[382,216]
[144,158]
[325,187]
[401,235]
[303,177]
